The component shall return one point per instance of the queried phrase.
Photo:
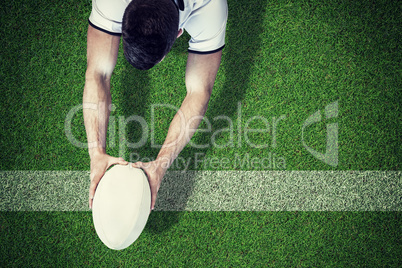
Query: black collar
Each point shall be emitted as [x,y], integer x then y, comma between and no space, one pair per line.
[179,5]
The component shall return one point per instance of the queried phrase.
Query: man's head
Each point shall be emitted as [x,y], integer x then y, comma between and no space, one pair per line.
[149,29]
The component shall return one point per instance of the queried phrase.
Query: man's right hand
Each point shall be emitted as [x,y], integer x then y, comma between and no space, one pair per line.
[100,162]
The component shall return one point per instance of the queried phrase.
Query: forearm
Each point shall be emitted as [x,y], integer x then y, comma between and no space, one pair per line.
[96,103]
[201,72]
[183,126]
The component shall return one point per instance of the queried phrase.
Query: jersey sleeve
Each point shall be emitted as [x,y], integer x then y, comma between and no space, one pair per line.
[207,27]
[107,16]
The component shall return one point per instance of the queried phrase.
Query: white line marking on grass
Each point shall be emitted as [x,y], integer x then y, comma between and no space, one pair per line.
[217,191]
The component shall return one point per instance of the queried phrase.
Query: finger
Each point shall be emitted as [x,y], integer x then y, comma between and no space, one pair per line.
[120,161]
[153,201]
[92,188]
[90,202]
[137,165]
[91,194]
[116,160]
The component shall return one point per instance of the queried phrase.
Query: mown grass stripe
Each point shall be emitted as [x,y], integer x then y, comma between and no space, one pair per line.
[217,191]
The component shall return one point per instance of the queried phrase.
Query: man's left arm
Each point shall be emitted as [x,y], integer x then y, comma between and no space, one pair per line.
[201,72]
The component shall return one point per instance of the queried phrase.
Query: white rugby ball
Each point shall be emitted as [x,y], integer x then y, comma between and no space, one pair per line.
[121,206]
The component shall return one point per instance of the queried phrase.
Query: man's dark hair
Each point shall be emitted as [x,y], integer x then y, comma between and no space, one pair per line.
[149,30]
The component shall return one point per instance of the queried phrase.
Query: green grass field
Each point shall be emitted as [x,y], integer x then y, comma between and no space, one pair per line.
[283,61]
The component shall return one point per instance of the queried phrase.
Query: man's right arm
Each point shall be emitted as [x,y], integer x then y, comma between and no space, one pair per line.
[102,51]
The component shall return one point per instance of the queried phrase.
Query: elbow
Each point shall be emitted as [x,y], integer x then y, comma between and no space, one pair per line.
[200,89]
[97,86]
[97,75]
[202,94]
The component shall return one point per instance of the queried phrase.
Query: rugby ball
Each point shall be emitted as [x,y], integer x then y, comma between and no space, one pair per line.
[121,206]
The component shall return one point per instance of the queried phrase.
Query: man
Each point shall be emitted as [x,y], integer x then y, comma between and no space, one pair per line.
[149,29]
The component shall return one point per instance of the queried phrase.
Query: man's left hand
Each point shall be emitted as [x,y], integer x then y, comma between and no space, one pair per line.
[155,171]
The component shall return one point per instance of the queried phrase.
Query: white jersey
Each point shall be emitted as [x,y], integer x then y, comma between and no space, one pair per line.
[204,20]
